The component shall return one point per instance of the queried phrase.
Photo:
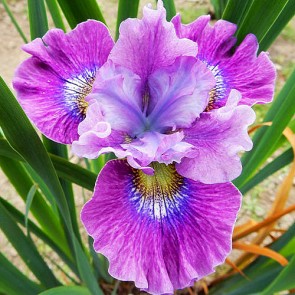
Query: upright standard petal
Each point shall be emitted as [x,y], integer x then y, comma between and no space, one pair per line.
[149,44]
[178,94]
[162,231]
[119,93]
[53,84]
[218,136]
[254,76]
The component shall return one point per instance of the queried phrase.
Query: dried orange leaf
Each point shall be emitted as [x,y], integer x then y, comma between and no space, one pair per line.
[265,222]
[233,265]
[258,250]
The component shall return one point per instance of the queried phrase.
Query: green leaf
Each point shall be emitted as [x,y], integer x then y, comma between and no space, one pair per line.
[55,14]
[65,169]
[66,290]
[283,18]
[100,262]
[22,136]
[61,151]
[268,27]
[38,18]
[74,173]
[280,114]
[232,6]
[170,9]
[77,11]
[13,282]
[38,26]
[53,244]
[272,167]
[276,15]
[29,201]
[284,281]
[21,181]
[126,9]
[219,6]
[26,249]
[13,20]
[261,272]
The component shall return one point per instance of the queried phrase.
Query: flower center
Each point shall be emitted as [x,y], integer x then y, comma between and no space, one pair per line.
[218,93]
[160,194]
[76,90]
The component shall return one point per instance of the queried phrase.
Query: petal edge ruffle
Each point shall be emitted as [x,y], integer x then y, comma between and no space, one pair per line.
[162,242]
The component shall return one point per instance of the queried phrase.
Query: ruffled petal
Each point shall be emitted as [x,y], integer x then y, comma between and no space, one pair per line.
[97,137]
[162,231]
[52,85]
[218,136]
[149,44]
[154,146]
[119,93]
[254,76]
[178,94]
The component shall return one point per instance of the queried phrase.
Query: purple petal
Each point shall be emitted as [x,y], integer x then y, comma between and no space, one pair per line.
[118,91]
[218,136]
[149,44]
[96,136]
[179,93]
[52,85]
[254,76]
[162,231]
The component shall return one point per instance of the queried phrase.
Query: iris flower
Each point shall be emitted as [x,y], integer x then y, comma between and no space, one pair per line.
[173,103]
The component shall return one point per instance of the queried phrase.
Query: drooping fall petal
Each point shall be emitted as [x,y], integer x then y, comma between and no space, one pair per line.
[162,231]
[53,84]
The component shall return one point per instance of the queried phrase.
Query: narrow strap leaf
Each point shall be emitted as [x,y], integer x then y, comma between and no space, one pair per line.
[38,18]
[126,9]
[21,181]
[284,281]
[65,169]
[278,163]
[280,114]
[66,290]
[29,201]
[22,136]
[14,21]
[13,282]
[77,11]
[170,8]
[26,249]
[19,218]
[55,14]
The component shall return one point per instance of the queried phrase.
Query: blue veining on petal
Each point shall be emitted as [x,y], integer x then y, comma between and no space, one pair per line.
[75,90]
[221,90]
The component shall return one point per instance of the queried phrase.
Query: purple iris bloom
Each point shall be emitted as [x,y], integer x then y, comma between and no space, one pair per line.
[173,103]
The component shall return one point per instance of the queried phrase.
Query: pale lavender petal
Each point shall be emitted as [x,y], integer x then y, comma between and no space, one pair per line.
[218,137]
[162,231]
[52,85]
[178,94]
[149,44]
[118,91]
[96,136]
[154,146]
[241,69]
